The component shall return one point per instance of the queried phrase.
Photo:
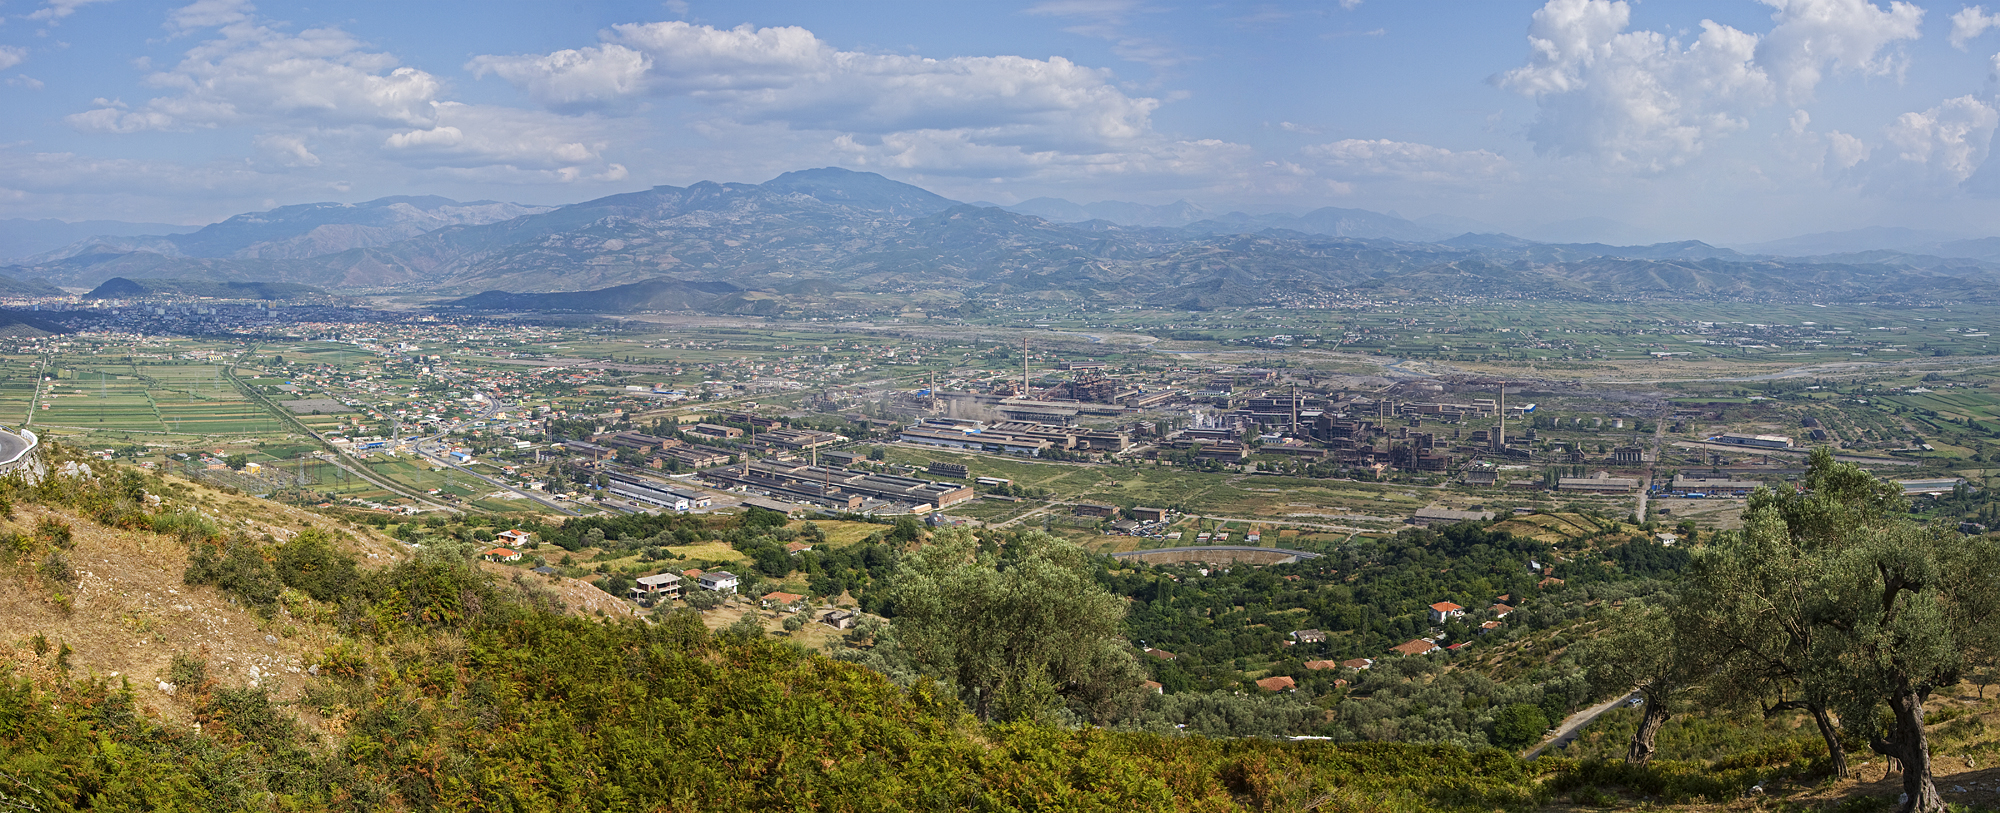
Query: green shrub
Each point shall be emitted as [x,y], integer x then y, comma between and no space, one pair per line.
[55,532]
[55,567]
[310,564]
[238,568]
[187,672]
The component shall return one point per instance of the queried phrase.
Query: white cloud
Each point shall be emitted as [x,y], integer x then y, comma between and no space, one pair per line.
[1294,127]
[1008,114]
[572,79]
[1942,145]
[321,99]
[1847,35]
[1829,155]
[1844,151]
[1641,100]
[208,14]
[1355,159]
[289,150]
[1633,99]
[25,81]
[789,75]
[58,9]
[252,73]
[1969,23]
[12,55]
[470,136]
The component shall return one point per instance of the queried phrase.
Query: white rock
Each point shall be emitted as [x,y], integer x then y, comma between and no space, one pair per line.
[168,688]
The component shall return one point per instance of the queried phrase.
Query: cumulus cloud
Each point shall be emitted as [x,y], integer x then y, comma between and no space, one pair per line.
[1355,159]
[790,76]
[289,150]
[1846,35]
[1633,99]
[12,55]
[1641,100]
[1832,154]
[573,79]
[252,73]
[470,136]
[353,105]
[1943,145]
[1008,114]
[1969,23]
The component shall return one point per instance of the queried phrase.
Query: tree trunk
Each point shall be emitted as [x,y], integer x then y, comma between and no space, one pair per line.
[1908,744]
[1641,750]
[1836,756]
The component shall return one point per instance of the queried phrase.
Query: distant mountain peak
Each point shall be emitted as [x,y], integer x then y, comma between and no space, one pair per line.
[865,190]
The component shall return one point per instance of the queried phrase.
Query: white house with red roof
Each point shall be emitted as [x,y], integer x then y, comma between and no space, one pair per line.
[1445,611]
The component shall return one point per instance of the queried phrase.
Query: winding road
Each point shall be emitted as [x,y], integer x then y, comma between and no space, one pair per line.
[1566,732]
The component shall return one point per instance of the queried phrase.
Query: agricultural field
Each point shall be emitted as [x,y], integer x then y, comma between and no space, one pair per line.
[187,400]
[99,398]
[20,377]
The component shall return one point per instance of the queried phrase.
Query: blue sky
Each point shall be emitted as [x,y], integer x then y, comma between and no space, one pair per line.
[1729,121]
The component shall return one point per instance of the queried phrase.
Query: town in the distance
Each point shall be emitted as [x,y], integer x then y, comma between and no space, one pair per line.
[1399,502]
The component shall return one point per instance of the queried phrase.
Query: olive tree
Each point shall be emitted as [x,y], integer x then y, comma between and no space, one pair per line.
[1018,633]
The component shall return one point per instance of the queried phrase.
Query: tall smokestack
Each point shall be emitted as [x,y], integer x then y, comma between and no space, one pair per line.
[1500,434]
[1024,366]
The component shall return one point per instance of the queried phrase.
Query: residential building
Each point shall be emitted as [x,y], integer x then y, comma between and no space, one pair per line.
[1281,683]
[659,585]
[1420,646]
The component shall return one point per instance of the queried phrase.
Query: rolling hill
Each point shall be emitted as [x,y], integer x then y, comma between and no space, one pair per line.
[863,233]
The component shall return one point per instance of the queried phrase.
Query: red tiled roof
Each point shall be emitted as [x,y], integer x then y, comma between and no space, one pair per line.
[1318,665]
[1416,647]
[1277,684]
[500,552]
[1358,663]
[1446,607]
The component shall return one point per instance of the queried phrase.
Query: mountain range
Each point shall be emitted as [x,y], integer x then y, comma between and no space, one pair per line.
[810,237]
[22,238]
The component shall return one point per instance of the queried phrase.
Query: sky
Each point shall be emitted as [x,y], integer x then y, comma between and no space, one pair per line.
[1729,121]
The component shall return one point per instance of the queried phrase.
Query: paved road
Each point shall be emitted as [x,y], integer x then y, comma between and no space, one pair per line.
[362,472]
[1202,548]
[1566,732]
[11,446]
